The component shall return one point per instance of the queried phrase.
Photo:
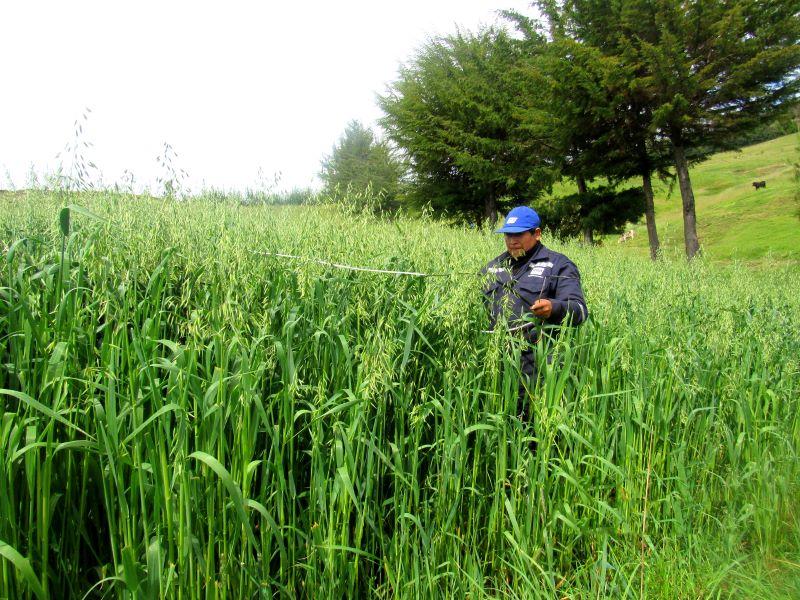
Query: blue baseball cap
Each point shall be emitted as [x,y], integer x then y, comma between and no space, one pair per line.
[520,219]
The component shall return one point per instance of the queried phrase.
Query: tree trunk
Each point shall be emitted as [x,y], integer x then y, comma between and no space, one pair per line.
[490,210]
[588,238]
[650,214]
[581,184]
[689,218]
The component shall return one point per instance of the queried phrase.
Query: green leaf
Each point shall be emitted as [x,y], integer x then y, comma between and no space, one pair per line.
[85,212]
[22,565]
[43,409]
[131,571]
[233,490]
[154,564]
[344,476]
[164,409]
[63,221]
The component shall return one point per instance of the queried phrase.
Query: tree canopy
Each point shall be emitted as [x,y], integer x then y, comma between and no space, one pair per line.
[585,100]
[457,112]
[597,92]
[703,71]
[360,163]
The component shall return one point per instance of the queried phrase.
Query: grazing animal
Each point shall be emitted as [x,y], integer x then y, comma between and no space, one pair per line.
[759,184]
[628,235]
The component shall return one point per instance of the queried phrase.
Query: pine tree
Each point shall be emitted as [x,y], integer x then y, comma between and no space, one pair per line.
[705,70]
[454,110]
[360,163]
[584,40]
[587,100]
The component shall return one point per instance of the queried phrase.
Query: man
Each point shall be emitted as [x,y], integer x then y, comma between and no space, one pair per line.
[530,285]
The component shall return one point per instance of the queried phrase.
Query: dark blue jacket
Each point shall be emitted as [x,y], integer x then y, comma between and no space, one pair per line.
[513,285]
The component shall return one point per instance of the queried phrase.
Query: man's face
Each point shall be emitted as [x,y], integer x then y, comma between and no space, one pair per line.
[518,244]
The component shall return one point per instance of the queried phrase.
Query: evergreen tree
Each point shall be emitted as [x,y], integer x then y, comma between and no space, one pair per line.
[603,114]
[360,163]
[586,96]
[456,112]
[603,209]
[706,71]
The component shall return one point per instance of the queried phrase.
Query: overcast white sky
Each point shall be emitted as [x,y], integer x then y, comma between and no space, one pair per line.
[233,87]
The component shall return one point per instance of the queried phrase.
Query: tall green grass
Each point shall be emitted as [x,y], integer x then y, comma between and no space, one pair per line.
[183,417]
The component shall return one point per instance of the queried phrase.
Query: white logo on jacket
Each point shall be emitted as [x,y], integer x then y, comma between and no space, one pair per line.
[537,268]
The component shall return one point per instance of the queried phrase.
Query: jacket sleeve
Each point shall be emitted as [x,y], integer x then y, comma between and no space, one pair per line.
[569,305]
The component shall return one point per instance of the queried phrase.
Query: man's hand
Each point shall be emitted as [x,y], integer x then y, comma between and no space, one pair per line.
[542,308]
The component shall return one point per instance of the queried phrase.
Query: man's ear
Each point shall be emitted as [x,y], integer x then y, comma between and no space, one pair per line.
[537,234]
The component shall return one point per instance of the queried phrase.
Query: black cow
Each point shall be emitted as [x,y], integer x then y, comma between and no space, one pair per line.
[759,184]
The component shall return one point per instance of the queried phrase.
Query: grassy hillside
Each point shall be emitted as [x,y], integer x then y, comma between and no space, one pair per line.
[735,221]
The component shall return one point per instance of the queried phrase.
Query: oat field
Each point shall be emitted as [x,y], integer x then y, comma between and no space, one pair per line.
[185,416]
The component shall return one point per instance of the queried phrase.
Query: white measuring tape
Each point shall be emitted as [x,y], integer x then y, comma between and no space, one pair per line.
[362,269]
[384,271]
[406,273]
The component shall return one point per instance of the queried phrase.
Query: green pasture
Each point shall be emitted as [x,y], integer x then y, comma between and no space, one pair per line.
[735,221]
[185,416]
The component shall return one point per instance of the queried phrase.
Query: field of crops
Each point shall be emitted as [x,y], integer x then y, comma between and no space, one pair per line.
[184,416]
